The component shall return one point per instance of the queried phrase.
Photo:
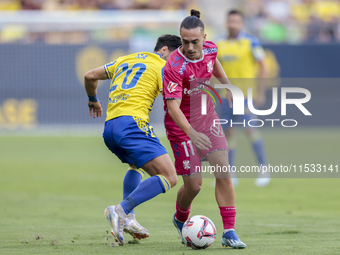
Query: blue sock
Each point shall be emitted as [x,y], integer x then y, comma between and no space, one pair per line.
[258,147]
[132,179]
[146,190]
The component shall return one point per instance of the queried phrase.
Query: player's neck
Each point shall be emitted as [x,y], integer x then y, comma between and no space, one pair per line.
[200,56]
[233,36]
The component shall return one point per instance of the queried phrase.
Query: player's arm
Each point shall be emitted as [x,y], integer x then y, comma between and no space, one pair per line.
[91,83]
[200,140]
[261,87]
[219,73]
[259,56]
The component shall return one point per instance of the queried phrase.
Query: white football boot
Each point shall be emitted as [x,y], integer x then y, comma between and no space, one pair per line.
[116,223]
[132,227]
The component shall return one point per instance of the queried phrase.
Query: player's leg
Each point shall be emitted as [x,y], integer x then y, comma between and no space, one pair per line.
[224,189]
[163,177]
[227,113]
[132,179]
[257,143]
[186,160]
[230,136]
[134,142]
[185,195]
[225,197]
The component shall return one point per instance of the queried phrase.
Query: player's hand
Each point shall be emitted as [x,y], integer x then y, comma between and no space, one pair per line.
[95,109]
[200,140]
[260,100]
[229,96]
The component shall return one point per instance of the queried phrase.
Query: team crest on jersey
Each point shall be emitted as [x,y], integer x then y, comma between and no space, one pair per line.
[172,86]
[210,66]
[186,164]
[216,130]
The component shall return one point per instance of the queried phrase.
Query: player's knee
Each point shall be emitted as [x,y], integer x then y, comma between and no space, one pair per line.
[253,134]
[173,180]
[249,131]
[228,133]
[223,181]
[195,189]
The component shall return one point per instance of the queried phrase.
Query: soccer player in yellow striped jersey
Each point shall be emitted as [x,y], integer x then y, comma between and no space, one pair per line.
[136,81]
[242,56]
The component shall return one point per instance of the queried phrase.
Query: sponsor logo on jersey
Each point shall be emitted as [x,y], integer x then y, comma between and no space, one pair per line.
[141,56]
[172,86]
[196,90]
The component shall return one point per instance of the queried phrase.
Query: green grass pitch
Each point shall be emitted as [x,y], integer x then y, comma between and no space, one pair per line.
[53,191]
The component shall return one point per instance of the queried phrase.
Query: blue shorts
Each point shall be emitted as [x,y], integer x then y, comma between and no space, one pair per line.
[225,112]
[132,140]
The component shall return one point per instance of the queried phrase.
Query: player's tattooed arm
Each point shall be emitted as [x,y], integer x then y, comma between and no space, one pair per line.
[94,74]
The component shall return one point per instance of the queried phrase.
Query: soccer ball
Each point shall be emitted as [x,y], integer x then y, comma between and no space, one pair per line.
[199,232]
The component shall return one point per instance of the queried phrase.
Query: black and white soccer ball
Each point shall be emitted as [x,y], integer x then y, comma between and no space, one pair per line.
[199,232]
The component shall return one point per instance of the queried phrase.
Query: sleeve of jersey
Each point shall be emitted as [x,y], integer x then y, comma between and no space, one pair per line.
[110,69]
[256,49]
[160,80]
[172,83]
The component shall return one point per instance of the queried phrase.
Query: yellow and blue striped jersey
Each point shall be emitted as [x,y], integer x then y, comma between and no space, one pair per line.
[136,81]
[239,57]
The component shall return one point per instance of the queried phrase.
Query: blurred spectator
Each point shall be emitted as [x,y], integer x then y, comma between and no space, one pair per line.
[273,21]
[13,33]
[277,10]
[273,32]
[94,4]
[10,5]
[294,21]
[20,34]
[109,5]
[31,4]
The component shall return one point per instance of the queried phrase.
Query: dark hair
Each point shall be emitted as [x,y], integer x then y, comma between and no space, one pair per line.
[192,21]
[172,41]
[235,12]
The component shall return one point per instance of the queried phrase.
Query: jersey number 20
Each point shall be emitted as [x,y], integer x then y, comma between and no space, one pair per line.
[125,68]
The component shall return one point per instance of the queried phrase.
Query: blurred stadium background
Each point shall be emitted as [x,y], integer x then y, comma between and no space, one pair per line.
[47,46]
